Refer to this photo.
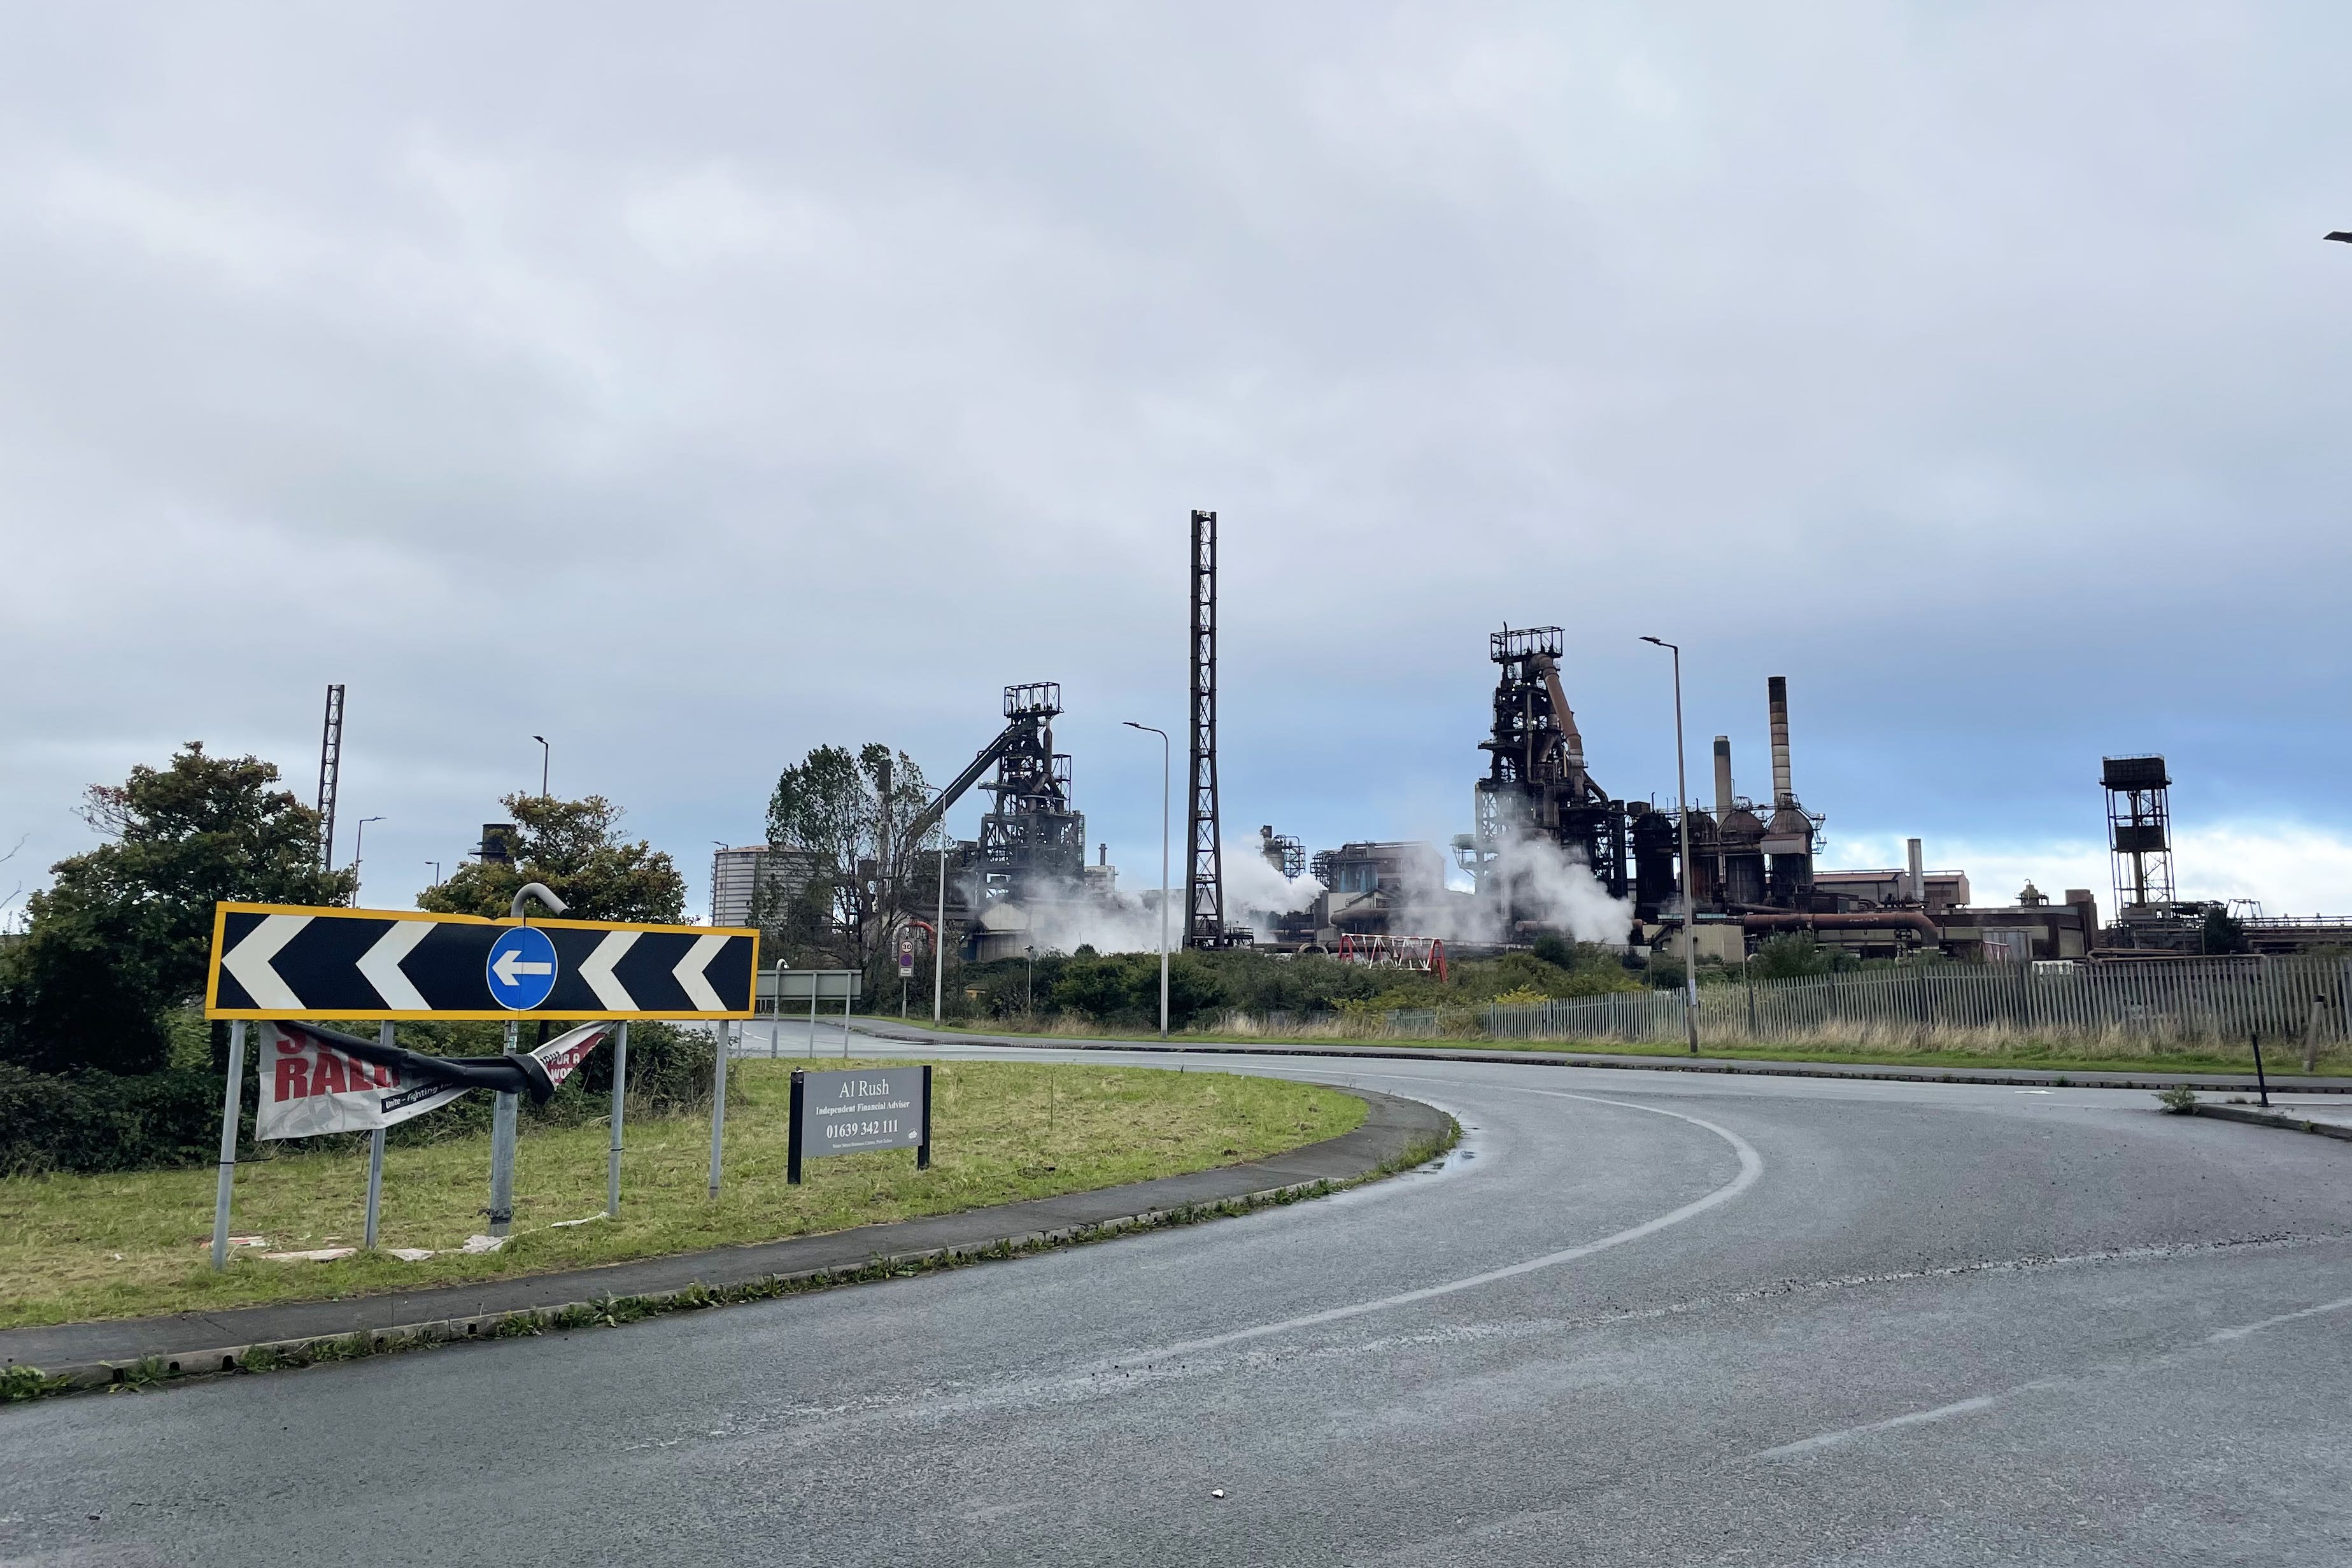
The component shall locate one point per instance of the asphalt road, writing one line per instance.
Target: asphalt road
(1636, 1318)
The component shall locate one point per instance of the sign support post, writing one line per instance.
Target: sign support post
(228, 1142)
(502, 1149)
(792, 1129)
(718, 1106)
(620, 1104)
(923, 1149)
(510, 968)
(375, 1159)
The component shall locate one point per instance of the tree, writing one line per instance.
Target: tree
(1792, 954)
(577, 848)
(2221, 932)
(124, 932)
(847, 816)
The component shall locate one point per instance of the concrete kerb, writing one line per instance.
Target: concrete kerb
(1398, 1134)
(2033, 1078)
(2254, 1115)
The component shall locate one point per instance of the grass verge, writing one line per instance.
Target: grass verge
(1953, 1050)
(76, 1248)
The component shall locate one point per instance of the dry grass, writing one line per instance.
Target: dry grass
(82, 1247)
(1856, 1044)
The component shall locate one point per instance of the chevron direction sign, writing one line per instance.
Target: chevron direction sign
(283, 962)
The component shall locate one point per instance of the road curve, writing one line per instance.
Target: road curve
(1634, 1320)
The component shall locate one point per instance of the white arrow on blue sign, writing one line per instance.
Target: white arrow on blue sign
(521, 968)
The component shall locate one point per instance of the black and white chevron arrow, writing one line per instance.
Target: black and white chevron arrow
(275, 962)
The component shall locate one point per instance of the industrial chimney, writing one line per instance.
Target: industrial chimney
(1918, 892)
(1788, 838)
(1783, 792)
(1722, 777)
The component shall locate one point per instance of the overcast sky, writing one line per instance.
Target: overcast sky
(694, 385)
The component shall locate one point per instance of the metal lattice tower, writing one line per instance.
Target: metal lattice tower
(1033, 842)
(1204, 920)
(1536, 782)
(2139, 829)
(330, 774)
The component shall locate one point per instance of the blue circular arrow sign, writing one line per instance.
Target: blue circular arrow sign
(521, 969)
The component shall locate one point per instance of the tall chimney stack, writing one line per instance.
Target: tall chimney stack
(1918, 874)
(1722, 777)
(1784, 794)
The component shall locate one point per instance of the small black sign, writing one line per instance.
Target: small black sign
(851, 1113)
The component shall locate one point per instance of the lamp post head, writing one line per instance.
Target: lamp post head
(1658, 641)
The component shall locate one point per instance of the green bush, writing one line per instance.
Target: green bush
(93, 1121)
(107, 1121)
(1122, 990)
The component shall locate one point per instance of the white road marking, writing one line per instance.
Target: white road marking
(690, 976)
(380, 964)
(250, 961)
(1987, 1401)
(1751, 1167)
(2222, 1336)
(597, 971)
(1914, 1418)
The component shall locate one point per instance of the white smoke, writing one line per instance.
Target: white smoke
(1130, 923)
(1254, 886)
(1550, 885)
(1108, 922)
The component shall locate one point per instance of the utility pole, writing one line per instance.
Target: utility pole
(359, 856)
(1204, 902)
(1690, 913)
(330, 774)
(940, 930)
(1163, 866)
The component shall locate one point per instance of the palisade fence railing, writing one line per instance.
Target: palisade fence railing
(2220, 1000)
(2216, 999)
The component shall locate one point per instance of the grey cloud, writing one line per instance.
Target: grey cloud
(824, 370)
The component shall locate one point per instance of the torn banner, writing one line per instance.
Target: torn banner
(316, 1081)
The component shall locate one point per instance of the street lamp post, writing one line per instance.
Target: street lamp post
(358, 857)
(939, 928)
(545, 751)
(1690, 913)
(436, 872)
(1163, 868)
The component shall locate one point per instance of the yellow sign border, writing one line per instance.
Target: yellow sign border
(223, 910)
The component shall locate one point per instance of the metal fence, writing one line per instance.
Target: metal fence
(2220, 1000)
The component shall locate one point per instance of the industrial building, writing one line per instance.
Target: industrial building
(756, 881)
(1715, 876)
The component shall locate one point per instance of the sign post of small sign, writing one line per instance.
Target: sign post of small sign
(850, 1113)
